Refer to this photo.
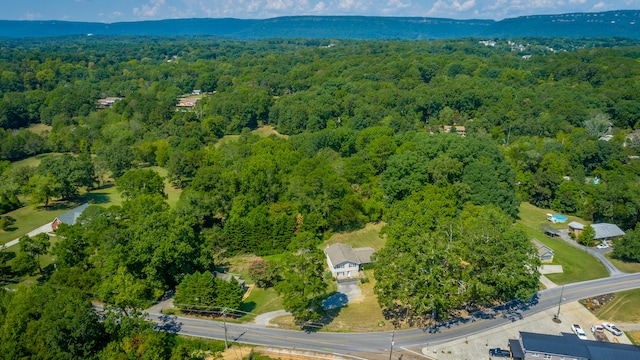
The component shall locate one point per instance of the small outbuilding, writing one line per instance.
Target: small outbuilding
(545, 253)
(69, 218)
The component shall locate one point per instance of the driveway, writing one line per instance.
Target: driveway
(347, 292)
(598, 253)
(46, 228)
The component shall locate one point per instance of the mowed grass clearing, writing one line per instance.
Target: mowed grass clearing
(39, 128)
(576, 264)
(623, 308)
(367, 237)
(624, 266)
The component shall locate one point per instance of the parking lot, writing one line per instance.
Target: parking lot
(477, 346)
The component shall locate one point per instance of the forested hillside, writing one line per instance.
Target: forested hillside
(440, 139)
(608, 24)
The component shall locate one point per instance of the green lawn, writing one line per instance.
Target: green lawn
(576, 264)
(532, 217)
(173, 193)
(623, 308)
(624, 266)
(33, 160)
(40, 128)
(29, 218)
(367, 237)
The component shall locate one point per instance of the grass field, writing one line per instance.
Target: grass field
(576, 264)
(263, 131)
(359, 238)
(29, 218)
(173, 193)
(532, 217)
(623, 308)
(624, 266)
(33, 160)
(39, 128)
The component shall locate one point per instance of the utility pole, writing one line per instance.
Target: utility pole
(393, 335)
(557, 317)
(224, 319)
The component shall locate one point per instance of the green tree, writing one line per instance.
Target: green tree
(42, 188)
(196, 291)
(140, 182)
(586, 236)
(263, 273)
(628, 248)
(302, 284)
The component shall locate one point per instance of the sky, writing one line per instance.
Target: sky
(135, 10)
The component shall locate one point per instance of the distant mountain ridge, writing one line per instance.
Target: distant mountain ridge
(622, 23)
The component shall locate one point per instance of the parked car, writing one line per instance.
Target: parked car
(498, 352)
(596, 328)
(603, 245)
(577, 329)
(611, 327)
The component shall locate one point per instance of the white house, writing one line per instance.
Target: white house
(346, 262)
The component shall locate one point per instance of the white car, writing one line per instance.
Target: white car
(578, 330)
(602, 245)
(611, 327)
(597, 328)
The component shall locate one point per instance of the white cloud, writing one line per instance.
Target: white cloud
(577, 1)
(278, 4)
(32, 16)
(398, 4)
(449, 7)
(149, 10)
(599, 6)
(320, 7)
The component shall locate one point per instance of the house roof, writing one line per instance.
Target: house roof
(550, 230)
(568, 344)
(542, 248)
(339, 253)
(565, 344)
(228, 277)
(604, 230)
(71, 216)
(516, 349)
(576, 225)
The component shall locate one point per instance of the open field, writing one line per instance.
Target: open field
(624, 266)
(263, 131)
(33, 160)
(623, 308)
(173, 193)
(39, 128)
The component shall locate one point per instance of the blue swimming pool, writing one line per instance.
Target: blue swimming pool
(559, 218)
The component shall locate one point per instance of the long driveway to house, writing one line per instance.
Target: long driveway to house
(46, 228)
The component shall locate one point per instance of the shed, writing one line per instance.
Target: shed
(550, 231)
(545, 253)
(69, 218)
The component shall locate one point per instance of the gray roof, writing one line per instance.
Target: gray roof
(568, 344)
(339, 253)
(228, 277)
(604, 231)
(71, 216)
(542, 248)
(576, 225)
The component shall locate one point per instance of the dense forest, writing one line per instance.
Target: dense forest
(361, 138)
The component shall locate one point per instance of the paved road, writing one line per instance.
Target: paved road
(414, 339)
